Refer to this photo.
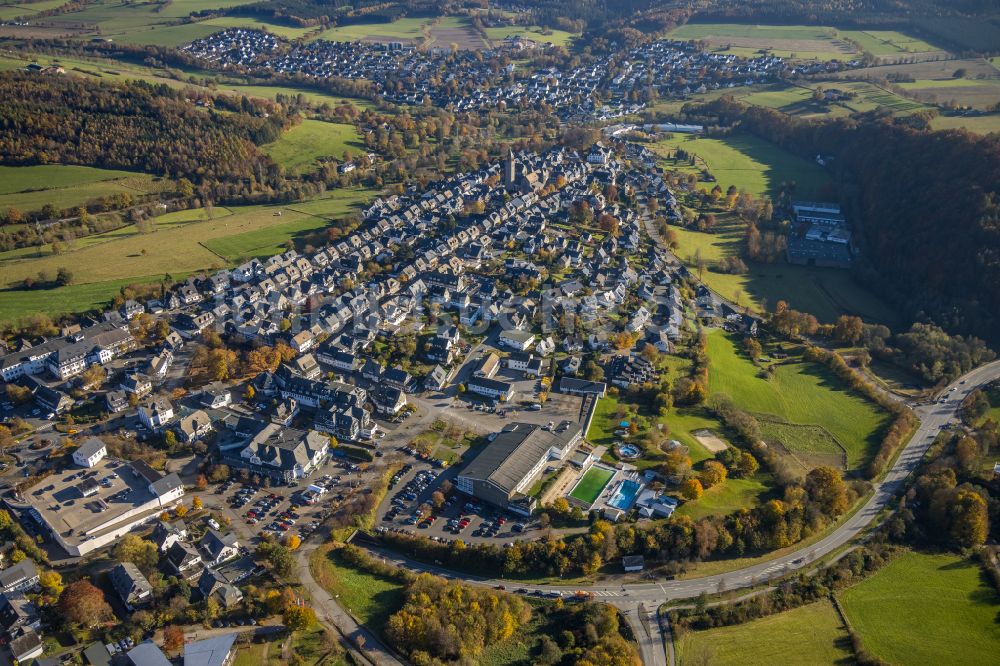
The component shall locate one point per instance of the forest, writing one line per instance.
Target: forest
(136, 126)
(926, 206)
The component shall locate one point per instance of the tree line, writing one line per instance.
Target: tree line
(926, 206)
(136, 126)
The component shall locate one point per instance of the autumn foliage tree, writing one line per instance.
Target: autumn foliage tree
(173, 638)
(83, 604)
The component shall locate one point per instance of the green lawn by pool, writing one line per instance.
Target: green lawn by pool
(591, 485)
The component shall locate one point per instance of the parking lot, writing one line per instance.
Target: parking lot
(281, 510)
(409, 508)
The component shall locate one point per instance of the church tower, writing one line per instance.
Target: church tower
(510, 170)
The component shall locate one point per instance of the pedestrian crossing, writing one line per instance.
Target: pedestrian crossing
(607, 593)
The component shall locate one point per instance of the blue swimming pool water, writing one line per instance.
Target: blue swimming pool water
(625, 495)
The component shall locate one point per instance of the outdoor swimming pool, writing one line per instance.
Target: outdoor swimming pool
(629, 451)
(625, 494)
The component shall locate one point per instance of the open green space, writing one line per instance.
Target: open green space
(590, 486)
(15, 304)
(811, 445)
(314, 97)
(798, 392)
(887, 42)
(926, 609)
(800, 42)
(805, 636)
(532, 32)
(680, 421)
(826, 293)
(301, 148)
(193, 245)
(369, 598)
(312, 646)
(31, 187)
(401, 29)
(729, 496)
(10, 10)
(750, 163)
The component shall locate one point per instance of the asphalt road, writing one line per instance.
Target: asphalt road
(633, 598)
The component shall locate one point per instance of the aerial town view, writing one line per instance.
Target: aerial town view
(499, 332)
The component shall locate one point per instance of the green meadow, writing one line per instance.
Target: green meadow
(302, 147)
(798, 393)
(749, 163)
(805, 636)
(927, 609)
(826, 293)
(65, 186)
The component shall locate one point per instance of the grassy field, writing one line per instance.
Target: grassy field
(926, 609)
(799, 393)
(156, 24)
(681, 421)
(533, 32)
(979, 94)
(404, 29)
(729, 496)
(804, 636)
(591, 485)
(31, 187)
(313, 97)
(10, 10)
(174, 247)
(302, 147)
(66, 300)
(882, 43)
(270, 240)
(751, 164)
(809, 445)
(827, 293)
(799, 42)
(312, 645)
(369, 598)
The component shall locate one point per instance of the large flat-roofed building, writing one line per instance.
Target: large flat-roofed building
(84, 510)
(508, 465)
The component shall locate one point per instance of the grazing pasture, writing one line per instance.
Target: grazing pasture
(30, 188)
(926, 608)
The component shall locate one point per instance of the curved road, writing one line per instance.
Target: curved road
(639, 601)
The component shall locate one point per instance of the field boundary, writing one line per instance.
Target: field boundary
(771, 418)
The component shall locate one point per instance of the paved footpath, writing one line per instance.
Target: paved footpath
(331, 613)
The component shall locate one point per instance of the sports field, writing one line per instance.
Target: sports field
(826, 293)
(31, 187)
(301, 148)
(805, 636)
(927, 609)
(800, 393)
(750, 163)
(588, 488)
